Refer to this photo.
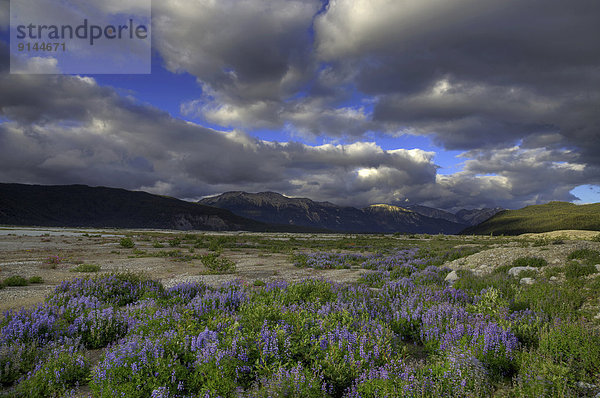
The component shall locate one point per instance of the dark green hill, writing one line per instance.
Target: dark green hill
(100, 207)
(552, 216)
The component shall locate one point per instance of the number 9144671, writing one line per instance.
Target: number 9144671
(48, 47)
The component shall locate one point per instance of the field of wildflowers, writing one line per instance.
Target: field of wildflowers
(401, 331)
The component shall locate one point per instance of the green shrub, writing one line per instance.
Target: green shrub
(127, 243)
(553, 271)
(312, 291)
(553, 300)
(36, 280)
(540, 376)
(530, 273)
(503, 269)
(576, 346)
(157, 245)
(175, 242)
(15, 280)
(86, 268)
(490, 303)
(258, 282)
(217, 264)
(474, 284)
(588, 256)
(596, 238)
(575, 270)
(529, 262)
(63, 369)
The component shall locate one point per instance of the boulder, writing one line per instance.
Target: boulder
(451, 277)
(515, 271)
(527, 281)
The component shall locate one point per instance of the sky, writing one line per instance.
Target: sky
(450, 104)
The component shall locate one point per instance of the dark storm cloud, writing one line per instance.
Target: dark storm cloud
(513, 83)
(243, 51)
(513, 69)
(88, 134)
(84, 133)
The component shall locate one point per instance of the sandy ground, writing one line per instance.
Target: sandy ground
(25, 252)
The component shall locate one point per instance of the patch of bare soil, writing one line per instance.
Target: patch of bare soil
(28, 256)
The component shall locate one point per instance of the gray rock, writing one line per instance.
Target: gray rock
(527, 281)
(515, 271)
(451, 277)
(598, 267)
(553, 278)
(586, 386)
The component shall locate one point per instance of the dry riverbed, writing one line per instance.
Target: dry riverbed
(28, 252)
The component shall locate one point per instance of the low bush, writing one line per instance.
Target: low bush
(175, 242)
(63, 370)
(86, 268)
(36, 280)
(15, 280)
(529, 262)
(555, 301)
(574, 270)
(540, 376)
(575, 346)
(588, 256)
(553, 271)
(17, 359)
(475, 284)
(215, 264)
(127, 243)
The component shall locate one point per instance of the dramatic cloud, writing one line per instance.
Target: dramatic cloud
(510, 83)
(242, 51)
(70, 130)
(472, 73)
(466, 73)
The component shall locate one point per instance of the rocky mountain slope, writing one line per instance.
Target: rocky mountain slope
(275, 208)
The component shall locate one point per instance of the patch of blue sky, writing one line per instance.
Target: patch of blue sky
(587, 194)
(162, 89)
(448, 161)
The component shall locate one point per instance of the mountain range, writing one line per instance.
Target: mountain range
(272, 207)
(101, 207)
